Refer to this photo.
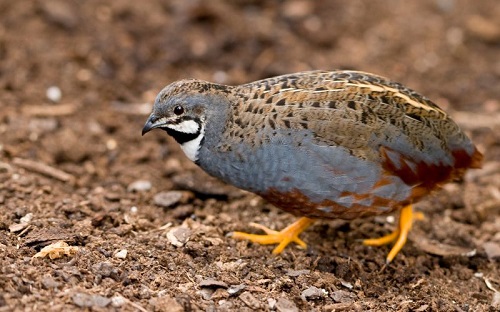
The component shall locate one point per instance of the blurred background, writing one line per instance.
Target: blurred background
(101, 56)
(78, 78)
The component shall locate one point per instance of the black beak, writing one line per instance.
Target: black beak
(150, 125)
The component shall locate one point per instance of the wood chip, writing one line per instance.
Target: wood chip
(17, 227)
(44, 169)
(440, 249)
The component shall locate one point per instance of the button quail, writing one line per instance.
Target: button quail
(318, 144)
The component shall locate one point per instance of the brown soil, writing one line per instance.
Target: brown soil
(67, 169)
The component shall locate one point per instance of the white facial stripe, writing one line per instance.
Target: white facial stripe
(187, 126)
(191, 148)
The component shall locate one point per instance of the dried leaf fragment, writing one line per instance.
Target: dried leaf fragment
(56, 250)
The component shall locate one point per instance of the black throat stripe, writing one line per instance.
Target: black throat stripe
(182, 137)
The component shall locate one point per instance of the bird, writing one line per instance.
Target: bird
(320, 145)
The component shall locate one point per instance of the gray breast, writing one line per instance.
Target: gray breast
(292, 161)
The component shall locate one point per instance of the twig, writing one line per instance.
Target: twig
(44, 169)
(486, 281)
(52, 110)
(135, 305)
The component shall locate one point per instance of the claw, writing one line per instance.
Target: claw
(283, 238)
(400, 235)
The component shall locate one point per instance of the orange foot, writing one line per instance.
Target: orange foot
(283, 238)
(399, 235)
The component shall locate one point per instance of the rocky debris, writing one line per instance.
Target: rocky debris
(295, 273)
(492, 250)
(285, 305)
(83, 300)
(170, 198)
(313, 293)
(121, 254)
(139, 186)
(343, 296)
(236, 289)
(179, 236)
(250, 300)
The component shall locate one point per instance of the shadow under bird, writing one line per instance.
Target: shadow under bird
(318, 144)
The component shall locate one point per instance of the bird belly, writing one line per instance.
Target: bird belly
(311, 180)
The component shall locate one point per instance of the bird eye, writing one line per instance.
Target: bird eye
(178, 110)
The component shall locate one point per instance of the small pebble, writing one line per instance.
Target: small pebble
(60, 13)
(225, 305)
(295, 273)
(343, 296)
(210, 282)
(166, 303)
(236, 289)
(111, 144)
(121, 254)
(118, 301)
(285, 305)
(27, 218)
(48, 283)
(167, 199)
(422, 308)
(346, 284)
(88, 301)
(182, 212)
(17, 227)
(495, 302)
(271, 303)
(206, 293)
(313, 293)
(492, 250)
(104, 268)
(179, 236)
(139, 186)
(250, 300)
(54, 94)
(41, 125)
(114, 197)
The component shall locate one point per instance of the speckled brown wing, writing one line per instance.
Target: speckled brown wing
(371, 117)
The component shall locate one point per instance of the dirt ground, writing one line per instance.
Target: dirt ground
(150, 228)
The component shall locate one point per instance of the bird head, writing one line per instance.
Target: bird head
(181, 110)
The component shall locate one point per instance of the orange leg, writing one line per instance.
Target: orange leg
(399, 235)
(282, 238)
